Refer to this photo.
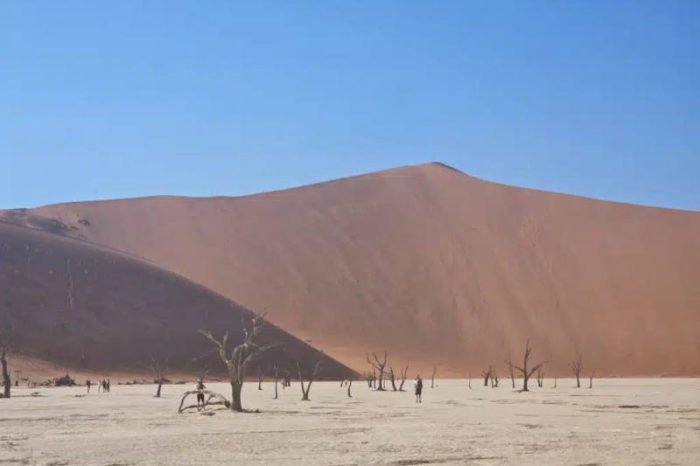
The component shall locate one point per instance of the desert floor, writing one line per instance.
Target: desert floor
(619, 421)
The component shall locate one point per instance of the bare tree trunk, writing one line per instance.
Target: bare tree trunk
(404, 373)
(260, 378)
(577, 368)
(159, 365)
(305, 389)
(487, 375)
(236, 388)
(276, 371)
(379, 365)
(540, 377)
(238, 360)
(512, 374)
(555, 382)
(470, 381)
(524, 370)
(349, 386)
(7, 383)
(392, 378)
(432, 378)
(590, 381)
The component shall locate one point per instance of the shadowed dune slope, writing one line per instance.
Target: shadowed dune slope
(86, 307)
(436, 267)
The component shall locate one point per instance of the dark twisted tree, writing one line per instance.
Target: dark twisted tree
(312, 376)
(378, 365)
(525, 370)
(158, 365)
(238, 359)
(577, 368)
(5, 337)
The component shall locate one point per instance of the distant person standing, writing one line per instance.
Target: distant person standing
(88, 384)
(200, 393)
(418, 385)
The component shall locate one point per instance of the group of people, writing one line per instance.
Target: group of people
(102, 386)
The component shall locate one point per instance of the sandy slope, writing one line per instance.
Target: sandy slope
(94, 310)
(454, 426)
(433, 265)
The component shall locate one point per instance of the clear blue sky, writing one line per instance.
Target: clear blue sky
(130, 98)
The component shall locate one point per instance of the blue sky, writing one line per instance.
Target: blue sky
(131, 98)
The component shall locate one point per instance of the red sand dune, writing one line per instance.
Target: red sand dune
(94, 310)
(436, 267)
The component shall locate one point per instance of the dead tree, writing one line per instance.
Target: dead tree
(577, 368)
(494, 380)
(540, 377)
(432, 377)
(486, 374)
(261, 373)
(511, 372)
(275, 372)
(220, 400)
(470, 381)
(4, 348)
(525, 370)
(159, 365)
(555, 382)
(312, 376)
(379, 366)
(590, 381)
(240, 357)
(349, 387)
(392, 378)
(404, 374)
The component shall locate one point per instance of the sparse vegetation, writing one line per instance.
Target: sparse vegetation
(524, 370)
(378, 365)
(238, 360)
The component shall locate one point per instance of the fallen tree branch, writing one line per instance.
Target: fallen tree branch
(221, 400)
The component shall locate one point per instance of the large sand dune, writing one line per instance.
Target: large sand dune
(91, 309)
(435, 266)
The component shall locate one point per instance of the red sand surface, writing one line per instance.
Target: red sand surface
(434, 266)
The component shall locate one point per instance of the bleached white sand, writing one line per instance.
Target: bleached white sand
(621, 421)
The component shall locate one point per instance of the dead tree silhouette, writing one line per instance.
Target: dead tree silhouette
(240, 357)
(158, 365)
(540, 377)
(432, 377)
(261, 374)
(577, 368)
(392, 379)
(312, 376)
(404, 374)
(511, 372)
(525, 370)
(5, 336)
(379, 366)
(486, 374)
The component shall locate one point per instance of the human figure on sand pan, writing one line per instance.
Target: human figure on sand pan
(200, 393)
(418, 385)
